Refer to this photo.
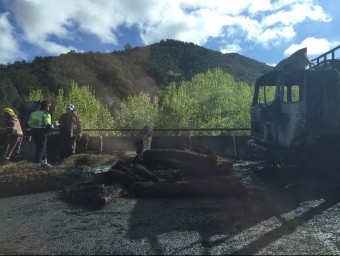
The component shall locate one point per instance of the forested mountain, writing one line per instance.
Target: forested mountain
(118, 74)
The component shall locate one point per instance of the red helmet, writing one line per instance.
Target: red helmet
(44, 104)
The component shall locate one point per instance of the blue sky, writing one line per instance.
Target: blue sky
(264, 30)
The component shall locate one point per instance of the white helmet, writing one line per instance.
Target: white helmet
(71, 107)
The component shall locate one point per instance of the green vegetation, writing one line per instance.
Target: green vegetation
(138, 111)
(9, 96)
(93, 113)
(167, 85)
(35, 95)
(266, 94)
(117, 75)
(210, 100)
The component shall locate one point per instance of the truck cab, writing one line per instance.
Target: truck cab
(295, 112)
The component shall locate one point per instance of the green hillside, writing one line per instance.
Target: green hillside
(118, 74)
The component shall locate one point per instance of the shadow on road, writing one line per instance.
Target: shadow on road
(243, 226)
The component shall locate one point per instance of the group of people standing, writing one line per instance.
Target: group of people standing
(38, 128)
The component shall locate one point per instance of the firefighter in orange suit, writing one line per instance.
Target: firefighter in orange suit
(14, 135)
(71, 129)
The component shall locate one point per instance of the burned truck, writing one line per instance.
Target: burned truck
(295, 113)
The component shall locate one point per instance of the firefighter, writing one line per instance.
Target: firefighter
(38, 126)
(71, 129)
(14, 135)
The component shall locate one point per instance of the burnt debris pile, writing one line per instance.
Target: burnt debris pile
(158, 173)
(89, 180)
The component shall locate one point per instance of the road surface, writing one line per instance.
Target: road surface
(284, 218)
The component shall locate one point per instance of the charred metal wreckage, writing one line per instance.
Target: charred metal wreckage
(295, 113)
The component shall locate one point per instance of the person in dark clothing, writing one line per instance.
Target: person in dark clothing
(71, 129)
(14, 135)
(38, 126)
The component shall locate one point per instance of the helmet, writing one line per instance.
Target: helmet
(45, 104)
(9, 111)
(71, 107)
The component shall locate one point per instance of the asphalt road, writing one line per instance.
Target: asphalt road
(292, 219)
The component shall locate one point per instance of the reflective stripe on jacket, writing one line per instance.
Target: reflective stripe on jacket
(13, 126)
(39, 119)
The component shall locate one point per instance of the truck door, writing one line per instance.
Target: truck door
(264, 113)
(315, 105)
(291, 124)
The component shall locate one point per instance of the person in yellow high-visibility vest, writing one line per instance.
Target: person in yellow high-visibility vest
(38, 126)
(14, 135)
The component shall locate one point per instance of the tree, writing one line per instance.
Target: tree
(138, 111)
(178, 108)
(210, 100)
(9, 97)
(35, 95)
(127, 46)
(92, 112)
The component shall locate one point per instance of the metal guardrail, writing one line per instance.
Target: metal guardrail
(2, 130)
(168, 129)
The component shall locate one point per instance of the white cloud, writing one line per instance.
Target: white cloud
(231, 48)
(277, 35)
(196, 27)
(315, 46)
(297, 14)
(9, 47)
(259, 5)
(260, 22)
(278, 4)
(39, 20)
(55, 48)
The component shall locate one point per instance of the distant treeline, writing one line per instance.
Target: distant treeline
(116, 76)
(209, 100)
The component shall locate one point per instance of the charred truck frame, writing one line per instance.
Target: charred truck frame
(295, 113)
